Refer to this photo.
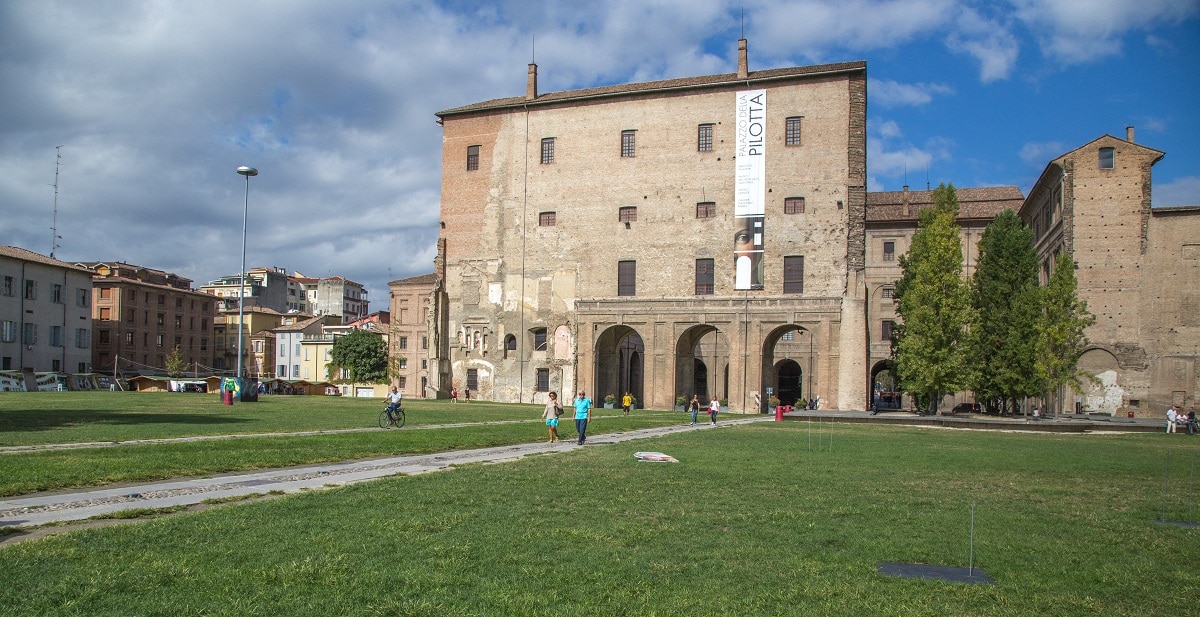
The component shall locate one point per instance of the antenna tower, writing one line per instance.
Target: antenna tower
(54, 237)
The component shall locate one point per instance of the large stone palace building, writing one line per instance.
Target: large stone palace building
(688, 236)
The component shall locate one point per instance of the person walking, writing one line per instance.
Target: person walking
(694, 407)
(626, 402)
(1171, 413)
(583, 413)
(713, 407)
(453, 395)
(550, 415)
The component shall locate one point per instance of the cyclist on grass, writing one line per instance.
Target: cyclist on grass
(394, 399)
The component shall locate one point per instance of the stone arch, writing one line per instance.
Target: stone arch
(1105, 394)
(786, 350)
(885, 394)
(702, 363)
(620, 364)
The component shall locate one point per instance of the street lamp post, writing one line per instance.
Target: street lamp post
(247, 172)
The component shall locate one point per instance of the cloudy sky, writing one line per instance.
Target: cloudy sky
(156, 103)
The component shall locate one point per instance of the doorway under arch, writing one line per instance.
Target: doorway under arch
(702, 364)
(885, 393)
(788, 357)
(620, 359)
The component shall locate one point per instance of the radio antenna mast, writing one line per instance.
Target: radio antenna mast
(54, 237)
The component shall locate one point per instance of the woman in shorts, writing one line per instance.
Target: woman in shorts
(550, 415)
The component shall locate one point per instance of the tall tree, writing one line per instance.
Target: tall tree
(363, 354)
(1061, 339)
(1006, 298)
(175, 363)
(934, 303)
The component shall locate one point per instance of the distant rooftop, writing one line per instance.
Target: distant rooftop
(973, 203)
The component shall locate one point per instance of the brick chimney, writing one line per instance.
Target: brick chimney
(1129, 134)
(743, 60)
(531, 85)
(904, 200)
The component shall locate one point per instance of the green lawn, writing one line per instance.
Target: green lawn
(38, 418)
(753, 520)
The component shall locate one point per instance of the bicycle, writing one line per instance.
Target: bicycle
(389, 418)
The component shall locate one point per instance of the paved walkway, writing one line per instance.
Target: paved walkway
(69, 506)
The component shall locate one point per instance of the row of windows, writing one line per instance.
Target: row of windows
(131, 295)
(160, 318)
(29, 334)
(793, 276)
(105, 339)
(704, 210)
(57, 291)
(704, 142)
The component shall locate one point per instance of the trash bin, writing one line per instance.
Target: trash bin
(227, 397)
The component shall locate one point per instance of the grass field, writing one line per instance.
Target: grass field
(760, 519)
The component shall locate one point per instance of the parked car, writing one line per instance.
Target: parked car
(967, 408)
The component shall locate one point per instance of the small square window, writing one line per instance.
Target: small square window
(889, 292)
(792, 131)
(547, 150)
(793, 205)
(1107, 158)
(472, 158)
(627, 214)
(628, 144)
(546, 219)
(706, 210)
(704, 138)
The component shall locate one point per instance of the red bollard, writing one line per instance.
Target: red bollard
(779, 413)
(227, 397)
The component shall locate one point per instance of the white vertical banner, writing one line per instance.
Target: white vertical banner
(750, 187)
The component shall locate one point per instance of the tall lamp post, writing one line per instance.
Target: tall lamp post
(247, 172)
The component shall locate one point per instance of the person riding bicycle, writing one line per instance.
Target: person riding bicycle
(394, 399)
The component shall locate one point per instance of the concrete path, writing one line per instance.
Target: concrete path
(69, 506)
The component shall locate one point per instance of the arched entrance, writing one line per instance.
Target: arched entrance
(702, 364)
(620, 364)
(788, 356)
(885, 393)
(1104, 394)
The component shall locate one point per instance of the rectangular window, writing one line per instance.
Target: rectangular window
(6, 286)
(131, 316)
(1107, 158)
(404, 342)
(30, 289)
(546, 219)
(179, 303)
(56, 294)
(158, 340)
(627, 214)
(539, 339)
(793, 205)
(628, 144)
(424, 342)
(473, 379)
(258, 346)
(162, 300)
(129, 338)
(161, 319)
(295, 371)
(8, 331)
(793, 274)
(704, 138)
(403, 363)
(791, 135)
(547, 150)
(105, 293)
(885, 333)
(178, 322)
(706, 209)
(704, 277)
(626, 278)
(29, 334)
(472, 158)
(282, 349)
(889, 293)
(105, 314)
(543, 380)
(424, 364)
(105, 335)
(402, 382)
(889, 251)
(282, 371)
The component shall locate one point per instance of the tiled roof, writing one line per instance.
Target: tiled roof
(706, 81)
(20, 253)
(424, 279)
(973, 203)
(300, 325)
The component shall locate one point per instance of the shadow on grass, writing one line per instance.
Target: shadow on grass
(34, 421)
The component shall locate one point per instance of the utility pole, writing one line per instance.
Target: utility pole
(54, 237)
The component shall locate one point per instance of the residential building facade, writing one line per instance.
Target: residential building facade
(45, 314)
(659, 238)
(408, 344)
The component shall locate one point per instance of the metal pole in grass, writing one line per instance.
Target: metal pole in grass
(1192, 491)
(971, 545)
(1166, 480)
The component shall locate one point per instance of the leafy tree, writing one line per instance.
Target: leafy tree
(1007, 299)
(175, 363)
(1061, 339)
(363, 354)
(935, 304)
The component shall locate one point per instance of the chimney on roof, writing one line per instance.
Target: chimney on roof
(743, 60)
(904, 200)
(531, 85)
(1129, 134)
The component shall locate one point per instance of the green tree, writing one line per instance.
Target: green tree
(175, 363)
(934, 303)
(1003, 343)
(363, 354)
(1061, 340)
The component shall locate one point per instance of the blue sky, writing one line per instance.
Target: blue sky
(156, 103)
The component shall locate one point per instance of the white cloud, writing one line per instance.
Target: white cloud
(889, 93)
(1179, 192)
(988, 41)
(1081, 31)
(813, 28)
(1038, 154)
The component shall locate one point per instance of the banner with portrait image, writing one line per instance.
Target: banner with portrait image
(750, 183)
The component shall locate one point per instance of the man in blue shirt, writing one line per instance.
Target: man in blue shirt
(583, 413)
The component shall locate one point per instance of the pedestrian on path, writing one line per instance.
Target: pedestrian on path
(551, 414)
(694, 406)
(453, 395)
(626, 402)
(1171, 413)
(583, 413)
(713, 407)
